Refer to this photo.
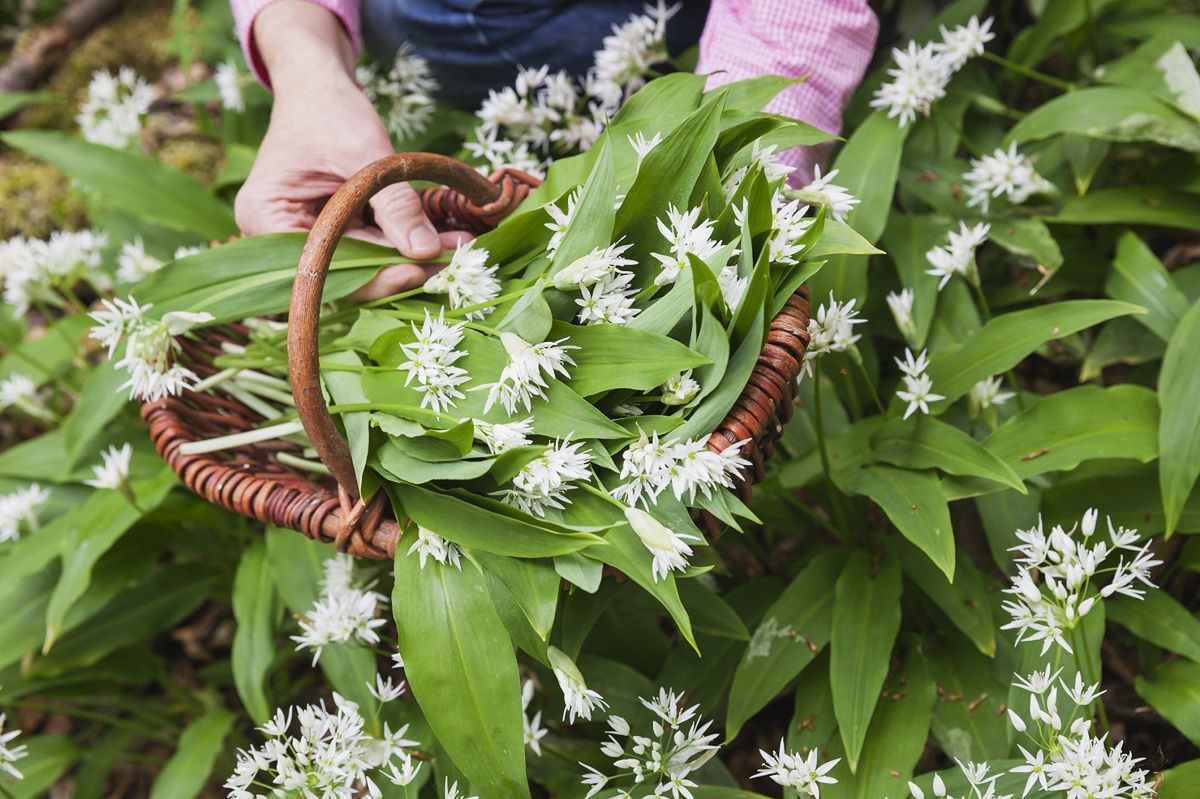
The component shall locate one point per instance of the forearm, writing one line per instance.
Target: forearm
(325, 32)
(302, 44)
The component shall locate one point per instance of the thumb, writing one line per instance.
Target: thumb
(399, 214)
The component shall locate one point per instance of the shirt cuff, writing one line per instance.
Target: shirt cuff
(246, 11)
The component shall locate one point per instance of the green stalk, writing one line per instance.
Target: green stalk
(1088, 675)
(835, 496)
(393, 408)
(1032, 74)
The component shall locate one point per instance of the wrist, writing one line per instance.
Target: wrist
(303, 46)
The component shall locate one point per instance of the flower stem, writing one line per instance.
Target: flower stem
(1087, 667)
(1032, 74)
(241, 439)
(492, 303)
(394, 408)
(862, 370)
(835, 496)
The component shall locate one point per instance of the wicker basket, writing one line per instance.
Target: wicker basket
(251, 481)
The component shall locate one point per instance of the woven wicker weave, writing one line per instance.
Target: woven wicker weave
(251, 481)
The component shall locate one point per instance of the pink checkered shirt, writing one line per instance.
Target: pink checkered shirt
(831, 41)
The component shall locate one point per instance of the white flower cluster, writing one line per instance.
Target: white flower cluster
(1066, 754)
(649, 466)
(579, 701)
(112, 111)
(789, 223)
(533, 731)
(764, 156)
(346, 610)
(467, 280)
(958, 256)
(134, 264)
(33, 269)
(831, 329)
(431, 545)
(544, 115)
(431, 358)
(922, 72)
(658, 763)
(605, 293)
(1052, 589)
(918, 386)
(524, 376)
(986, 394)
(901, 306)
(21, 392)
(10, 754)
(501, 437)
(19, 510)
(669, 549)
(330, 755)
(981, 784)
(1003, 172)
(149, 346)
(803, 774)
(560, 220)
(837, 199)
(229, 86)
(404, 93)
(679, 389)
(686, 235)
(113, 470)
(544, 481)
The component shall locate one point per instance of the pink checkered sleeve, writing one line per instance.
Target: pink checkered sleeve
(829, 40)
(244, 12)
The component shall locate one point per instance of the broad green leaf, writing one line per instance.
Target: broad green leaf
(711, 614)
(867, 166)
(1124, 341)
(186, 772)
(792, 631)
(147, 189)
(12, 102)
(256, 610)
(866, 618)
(964, 599)
(907, 238)
(533, 584)
(709, 413)
(895, 739)
(1132, 205)
(153, 604)
(1084, 423)
(253, 276)
(477, 523)
(1030, 238)
(100, 400)
(969, 721)
(1114, 113)
(1173, 689)
(592, 223)
(1138, 277)
(1160, 619)
(1005, 341)
(42, 359)
(928, 443)
(1179, 425)
(667, 176)
(616, 356)
(838, 238)
(913, 501)
(100, 524)
(460, 665)
(580, 571)
(49, 756)
(1180, 782)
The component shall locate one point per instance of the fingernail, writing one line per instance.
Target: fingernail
(424, 238)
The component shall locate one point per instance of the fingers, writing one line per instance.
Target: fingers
(399, 214)
(451, 239)
(391, 280)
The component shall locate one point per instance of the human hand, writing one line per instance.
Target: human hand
(323, 130)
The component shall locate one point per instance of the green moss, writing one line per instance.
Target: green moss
(35, 199)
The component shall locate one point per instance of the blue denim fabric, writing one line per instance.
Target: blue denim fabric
(476, 45)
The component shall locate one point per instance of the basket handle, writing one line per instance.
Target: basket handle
(490, 200)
